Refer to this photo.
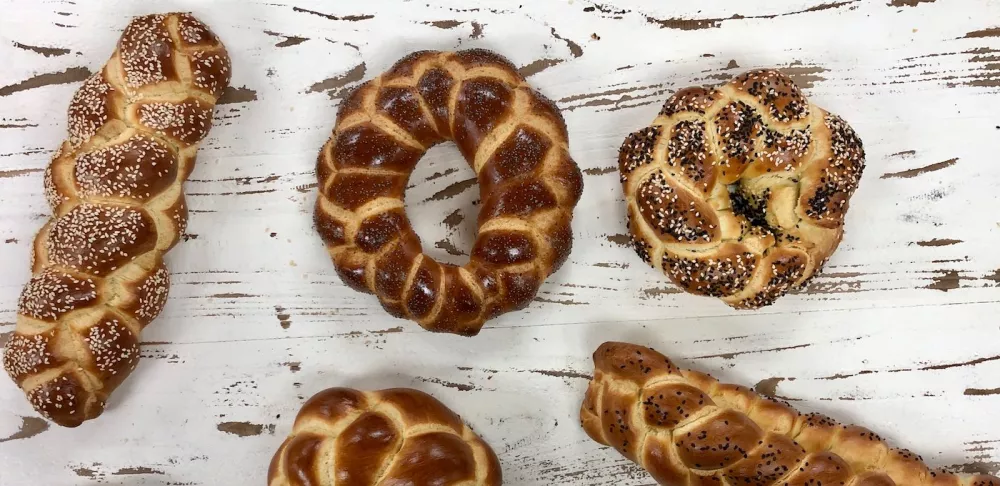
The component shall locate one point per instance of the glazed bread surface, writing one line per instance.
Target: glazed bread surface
(687, 429)
(115, 190)
(513, 138)
(395, 437)
(739, 192)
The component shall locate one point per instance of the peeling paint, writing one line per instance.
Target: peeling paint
(245, 429)
(907, 174)
(68, 76)
(447, 384)
(348, 18)
(338, 86)
(453, 190)
(45, 51)
(564, 374)
(698, 24)
(30, 427)
(237, 95)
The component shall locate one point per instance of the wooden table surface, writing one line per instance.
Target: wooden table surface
(899, 333)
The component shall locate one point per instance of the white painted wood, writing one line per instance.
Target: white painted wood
(899, 335)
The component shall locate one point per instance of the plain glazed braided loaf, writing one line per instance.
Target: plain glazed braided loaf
(345, 437)
(687, 429)
(514, 139)
(740, 192)
(115, 189)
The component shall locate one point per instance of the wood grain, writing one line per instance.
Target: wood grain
(899, 327)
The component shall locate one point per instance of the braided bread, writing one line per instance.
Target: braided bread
(515, 140)
(740, 192)
(391, 437)
(114, 187)
(686, 428)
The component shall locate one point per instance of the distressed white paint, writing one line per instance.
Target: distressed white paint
(908, 78)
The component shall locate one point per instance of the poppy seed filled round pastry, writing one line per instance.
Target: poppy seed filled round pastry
(513, 138)
(739, 192)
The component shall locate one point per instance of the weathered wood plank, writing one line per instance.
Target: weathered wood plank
(899, 327)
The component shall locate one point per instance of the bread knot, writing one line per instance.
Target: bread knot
(739, 192)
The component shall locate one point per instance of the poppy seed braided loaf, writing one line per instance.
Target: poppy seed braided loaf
(687, 429)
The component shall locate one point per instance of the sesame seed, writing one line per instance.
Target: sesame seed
(841, 174)
(688, 149)
(775, 91)
(98, 239)
(51, 293)
(89, 110)
(695, 100)
(716, 277)
(27, 354)
(187, 121)
(95, 237)
(664, 209)
(146, 51)
(112, 347)
(637, 150)
(153, 294)
(138, 168)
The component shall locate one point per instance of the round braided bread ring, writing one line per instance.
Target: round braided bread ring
(515, 140)
(740, 192)
(398, 436)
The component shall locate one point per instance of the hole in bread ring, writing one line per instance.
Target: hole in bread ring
(512, 137)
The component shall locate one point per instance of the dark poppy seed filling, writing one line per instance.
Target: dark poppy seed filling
(751, 207)
(637, 150)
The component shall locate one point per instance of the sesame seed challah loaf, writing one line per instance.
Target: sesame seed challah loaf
(687, 429)
(115, 189)
(396, 437)
(739, 192)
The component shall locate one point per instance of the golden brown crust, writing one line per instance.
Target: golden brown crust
(685, 428)
(749, 168)
(513, 137)
(114, 187)
(398, 436)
